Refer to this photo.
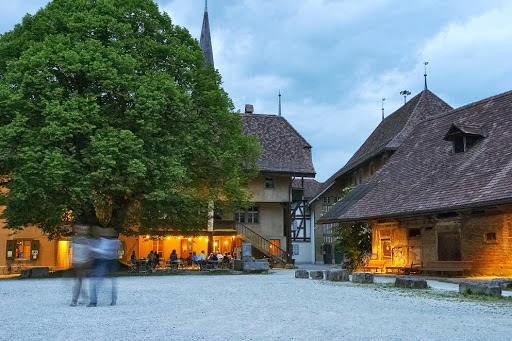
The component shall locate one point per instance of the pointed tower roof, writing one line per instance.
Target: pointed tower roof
(206, 41)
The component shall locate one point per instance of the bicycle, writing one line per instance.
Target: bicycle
(14, 267)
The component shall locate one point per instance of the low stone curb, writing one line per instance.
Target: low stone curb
(316, 274)
(479, 289)
(362, 277)
(410, 283)
(338, 275)
(301, 274)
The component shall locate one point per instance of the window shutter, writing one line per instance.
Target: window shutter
(10, 250)
(34, 249)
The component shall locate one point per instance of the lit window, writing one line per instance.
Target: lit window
(274, 246)
(253, 215)
(23, 249)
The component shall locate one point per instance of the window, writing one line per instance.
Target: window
(490, 237)
(274, 246)
(269, 183)
(414, 233)
(327, 200)
(157, 246)
(296, 249)
(253, 215)
(463, 137)
(240, 216)
(463, 143)
(22, 249)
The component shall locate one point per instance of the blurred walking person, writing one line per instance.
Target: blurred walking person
(81, 253)
(105, 251)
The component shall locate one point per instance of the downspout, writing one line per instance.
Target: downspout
(288, 221)
(313, 228)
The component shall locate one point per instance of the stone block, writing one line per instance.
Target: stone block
(362, 277)
(256, 265)
(25, 273)
(410, 283)
(503, 283)
(479, 289)
(340, 275)
(237, 265)
(316, 274)
(301, 274)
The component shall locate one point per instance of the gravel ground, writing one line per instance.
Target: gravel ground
(249, 307)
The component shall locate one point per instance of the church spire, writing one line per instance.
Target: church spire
(206, 41)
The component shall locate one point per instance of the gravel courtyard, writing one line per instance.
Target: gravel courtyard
(247, 307)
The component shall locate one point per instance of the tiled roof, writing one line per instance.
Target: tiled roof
(391, 132)
(310, 186)
(284, 149)
(425, 175)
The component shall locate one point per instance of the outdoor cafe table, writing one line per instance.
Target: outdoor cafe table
(142, 265)
(213, 264)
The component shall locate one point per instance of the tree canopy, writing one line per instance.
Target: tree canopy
(109, 115)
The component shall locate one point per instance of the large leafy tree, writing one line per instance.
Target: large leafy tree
(109, 115)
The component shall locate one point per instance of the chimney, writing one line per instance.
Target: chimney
(249, 109)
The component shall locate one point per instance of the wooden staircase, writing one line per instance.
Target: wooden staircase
(261, 244)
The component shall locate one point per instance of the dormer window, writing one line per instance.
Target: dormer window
(463, 137)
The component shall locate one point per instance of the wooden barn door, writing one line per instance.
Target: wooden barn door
(448, 246)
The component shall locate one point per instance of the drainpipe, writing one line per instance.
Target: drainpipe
(288, 222)
(313, 242)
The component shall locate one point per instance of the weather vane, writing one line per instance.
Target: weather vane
(425, 75)
(405, 93)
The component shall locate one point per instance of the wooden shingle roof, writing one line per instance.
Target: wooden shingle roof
(425, 175)
(284, 149)
(310, 186)
(391, 132)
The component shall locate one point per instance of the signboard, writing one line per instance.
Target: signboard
(246, 250)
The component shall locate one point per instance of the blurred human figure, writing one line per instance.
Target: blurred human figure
(174, 260)
(81, 258)
(156, 263)
(151, 259)
(105, 251)
(201, 260)
(133, 258)
(225, 261)
(194, 259)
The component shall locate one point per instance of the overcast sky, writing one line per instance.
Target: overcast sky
(335, 60)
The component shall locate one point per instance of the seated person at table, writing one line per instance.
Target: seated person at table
(174, 260)
(157, 260)
(225, 260)
(201, 260)
(151, 259)
(133, 258)
(193, 259)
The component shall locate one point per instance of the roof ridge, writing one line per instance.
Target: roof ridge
(469, 105)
